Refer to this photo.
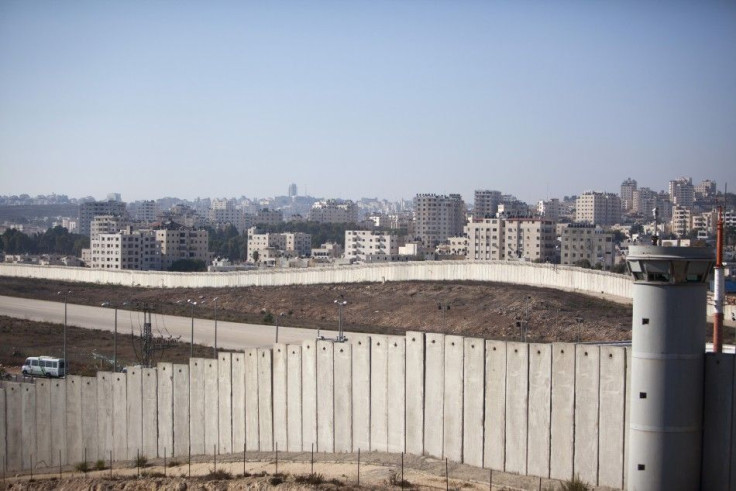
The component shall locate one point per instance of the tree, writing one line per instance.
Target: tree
(255, 256)
(582, 263)
(188, 265)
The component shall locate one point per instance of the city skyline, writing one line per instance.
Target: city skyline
(363, 99)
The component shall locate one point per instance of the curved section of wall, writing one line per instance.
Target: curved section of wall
(541, 275)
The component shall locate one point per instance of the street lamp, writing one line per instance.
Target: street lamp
(115, 334)
(278, 317)
(215, 300)
(340, 306)
(192, 303)
(66, 299)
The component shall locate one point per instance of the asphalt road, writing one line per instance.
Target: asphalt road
(230, 335)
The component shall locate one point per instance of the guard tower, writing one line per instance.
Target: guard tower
(668, 356)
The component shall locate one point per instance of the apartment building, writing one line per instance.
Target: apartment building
(334, 211)
(91, 209)
(627, 193)
(125, 249)
(144, 211)
(598, 208)
(486, 204)
(681, 222)
(108, 224)
(327, 252)
(179, 242)
(499, 239)
(580, 242)
(360, 245)
(550, 209)
(267, 245)
(682, 192)
(437, 217)
(268, 217)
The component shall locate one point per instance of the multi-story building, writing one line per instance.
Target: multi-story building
(627, 193)
(179, 242)
(486, 204)
(598, 208)
(265, 216)
(438, 217)
(327, 252)
(682, 192)
(267, 245)
(529, 239)
(579, 242)
(292, 190)
(360, 245)
(706, 188)
(144, 211)
(108, 224)
(643, 201)
(334, 211)
(680, 224)
(91, 209)
(551, 209)
(125, 249)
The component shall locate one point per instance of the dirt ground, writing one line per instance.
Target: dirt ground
(488, 310)
(293, 471)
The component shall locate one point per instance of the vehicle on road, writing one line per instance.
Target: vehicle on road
(44, 366)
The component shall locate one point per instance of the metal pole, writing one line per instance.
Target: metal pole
(66, 362)
(216, 326)
(191, 345)
(115, 343)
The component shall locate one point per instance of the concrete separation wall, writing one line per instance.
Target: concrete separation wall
(554, 410)
(520, 273)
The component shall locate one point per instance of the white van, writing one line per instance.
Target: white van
(44, 366)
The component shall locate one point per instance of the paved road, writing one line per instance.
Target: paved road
(230, 335)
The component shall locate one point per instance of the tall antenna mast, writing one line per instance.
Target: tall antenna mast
(719, 285)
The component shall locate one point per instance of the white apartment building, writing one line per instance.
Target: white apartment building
(293, 244)
(125, 249)
(681, 222)
(580, 242)
(437, 217)
(551, 209)
(627, 193)
(706, 188)
(682, 192)
(499, 239)
(108, 224)
(362, 244)
(334, 211)
(144, 211)
(486, 203)
(179, 242)
(327, 252)
(598, 208)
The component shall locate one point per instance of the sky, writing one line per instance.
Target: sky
(356, 98)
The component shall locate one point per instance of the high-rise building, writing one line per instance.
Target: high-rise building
(682, 192)
(179, 242)
(437, 217)
(292, 190)
(580, 242)
(706, 188)
(334, 211)
(486, 204)
(627, 193)
(125, 249)
(598, 208)
(91, 209)
(507, 239)
(551, 209)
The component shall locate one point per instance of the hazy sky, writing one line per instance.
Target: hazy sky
(363, 98)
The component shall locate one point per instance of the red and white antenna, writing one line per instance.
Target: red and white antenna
(719, 285)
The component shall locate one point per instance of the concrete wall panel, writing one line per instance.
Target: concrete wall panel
(280, 411)
(717, 420)
(265, 400)
(540, 395)
(453, 398)
(3, 424)
(627, 415)
(563, 411)
(89, 411)
(149, 401)
(494, 446)
(165, 409)
(361, 348)
(587, 389)
(396, 393)
(181, 410)
(434, 394)
(74, 421)
(28, 425)
(14, 428)
(42, 445)
(612, 411)
(58, 422)
(379, 393)
(134, 408)
(309, 395)
(251, 399)
(119, 417)
(325, 397)
(294, 397)
(517, 406)
(415, 392)
(225, 404)
(473, 399)
(197, 423)
(343, 397)
(238, 401)
(211, 406)
(105, 414)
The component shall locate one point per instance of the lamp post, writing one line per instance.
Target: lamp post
(215, 300)
(115, 334)
(191, 303)
(340, 306)
(66, 299)
(278, 318)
